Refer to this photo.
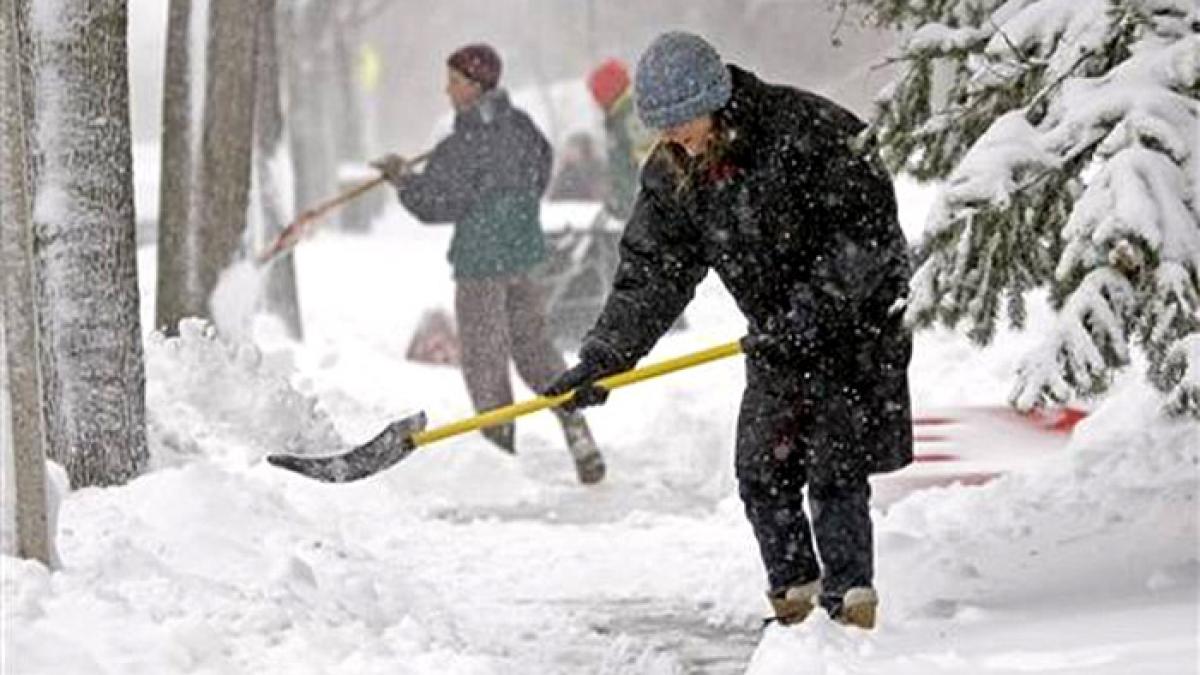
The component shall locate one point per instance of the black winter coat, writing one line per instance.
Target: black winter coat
(801, 227)
(487, 178)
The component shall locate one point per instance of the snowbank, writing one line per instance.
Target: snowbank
(1113, 521)
(207, 564)
(202, 391)
(198, 569)
(1116, 513)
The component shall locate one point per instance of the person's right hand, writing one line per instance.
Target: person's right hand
(595, 363)
(580, 379)
(392, 166)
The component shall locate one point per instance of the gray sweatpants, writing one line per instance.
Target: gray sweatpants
(499, 319)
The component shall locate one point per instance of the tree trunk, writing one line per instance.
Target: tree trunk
(347, 125)
(175, 260)
(84, 241)
(18, 338)
(306, 55)
(280, 295)
(222, 180)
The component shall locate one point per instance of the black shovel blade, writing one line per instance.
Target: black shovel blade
(390, 447)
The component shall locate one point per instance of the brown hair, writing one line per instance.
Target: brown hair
(688, 169)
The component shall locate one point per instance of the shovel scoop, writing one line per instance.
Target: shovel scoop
(392, 445)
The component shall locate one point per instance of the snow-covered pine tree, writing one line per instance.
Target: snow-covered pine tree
(1066, 132)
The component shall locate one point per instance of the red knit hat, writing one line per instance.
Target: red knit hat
(479, 62)
(608, 82)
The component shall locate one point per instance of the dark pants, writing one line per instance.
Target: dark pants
(773, 468)
(501, 319)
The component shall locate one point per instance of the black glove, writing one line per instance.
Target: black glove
(758, 345)
(393, 167)
(595, 363)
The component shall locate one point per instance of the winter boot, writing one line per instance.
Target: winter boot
(793, 604)
(503, 436)
(589, 464)
(857, 608)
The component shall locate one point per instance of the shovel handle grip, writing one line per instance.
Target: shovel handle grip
(512, 412)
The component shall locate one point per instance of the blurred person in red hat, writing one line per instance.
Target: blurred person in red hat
(628, 142)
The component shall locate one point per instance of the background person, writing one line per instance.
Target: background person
(487, 178)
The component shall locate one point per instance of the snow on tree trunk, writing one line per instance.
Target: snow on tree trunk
(24, 438)
(86, 274)
(1066, 134)
(222, 179)
(175, 257)
(306, 53)
(271, 171)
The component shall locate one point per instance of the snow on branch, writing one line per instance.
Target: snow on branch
(1051, 32)
(994, 169)
(1086, 343)
(1065, 132)
(1182, 373)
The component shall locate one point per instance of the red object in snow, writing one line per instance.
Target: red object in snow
(935, 456)
(1058, 419)
(972, 445)
(435, 341)
(1049, 419)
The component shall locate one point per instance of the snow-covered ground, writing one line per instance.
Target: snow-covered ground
(464, 560)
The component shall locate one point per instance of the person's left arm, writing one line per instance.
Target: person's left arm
(656, 278)
(444, 192)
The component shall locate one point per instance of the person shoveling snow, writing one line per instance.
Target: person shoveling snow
(765, 185)
(487, 178)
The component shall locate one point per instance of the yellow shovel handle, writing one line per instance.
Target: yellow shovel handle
(512, 412)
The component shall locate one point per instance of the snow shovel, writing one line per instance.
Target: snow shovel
(295, 230)
(402, 437)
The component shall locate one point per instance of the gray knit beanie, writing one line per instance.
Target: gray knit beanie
(679, 78)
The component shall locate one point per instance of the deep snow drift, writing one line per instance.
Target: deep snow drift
(464, 560)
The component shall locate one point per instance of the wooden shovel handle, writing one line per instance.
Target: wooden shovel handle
(291, 234)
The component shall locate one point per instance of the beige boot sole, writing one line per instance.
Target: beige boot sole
(796, 603)
(862, 616)
(858, 608)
